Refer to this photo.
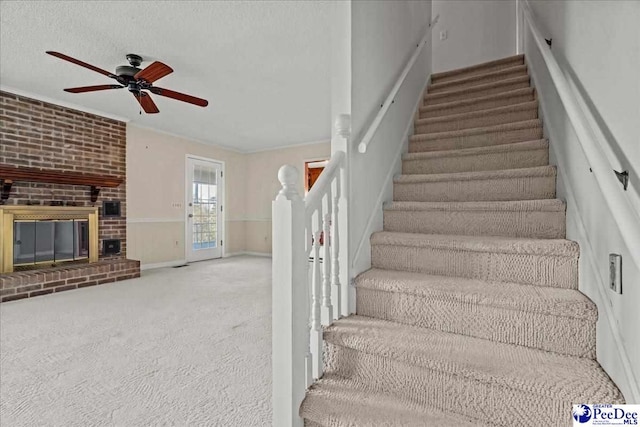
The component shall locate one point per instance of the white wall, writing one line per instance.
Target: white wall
(477, 31)
(384, 35)
(156, 164)
(597, 44)
(262, 185)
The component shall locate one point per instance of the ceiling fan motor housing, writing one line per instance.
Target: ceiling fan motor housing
(126, 71)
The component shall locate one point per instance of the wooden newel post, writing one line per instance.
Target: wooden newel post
(290, 303)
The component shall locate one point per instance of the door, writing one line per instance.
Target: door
(204, 209)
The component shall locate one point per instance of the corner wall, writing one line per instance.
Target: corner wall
(156, 185)
(262, 185)
(156, 163)
(477, 31)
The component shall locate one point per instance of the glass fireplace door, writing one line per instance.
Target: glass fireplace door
(50, 242)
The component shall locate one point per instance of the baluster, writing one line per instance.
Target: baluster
(327, 307)
(316, 325)
(335, 249)
(309, 288)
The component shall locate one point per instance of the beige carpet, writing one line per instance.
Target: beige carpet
(181, 347)
(471, 314)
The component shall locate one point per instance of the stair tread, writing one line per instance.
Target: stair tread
(543, 205)
(478, 175)
(491, 244)
(340, 401)
(477, 88)
(513, 296)
(474, 151)
(475, 67)
(516, 69)
(516, 367)
(523, 106)
(525, 124)
(472, 101)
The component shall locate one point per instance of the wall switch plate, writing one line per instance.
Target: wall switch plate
(443, 35)
(615, 273)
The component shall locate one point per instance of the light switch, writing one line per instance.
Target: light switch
(443, 35)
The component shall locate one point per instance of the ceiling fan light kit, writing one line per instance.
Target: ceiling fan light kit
(136, 80)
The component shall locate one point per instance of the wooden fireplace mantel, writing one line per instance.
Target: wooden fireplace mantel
(9, 174)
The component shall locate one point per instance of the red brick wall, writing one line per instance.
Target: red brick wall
(42, 135)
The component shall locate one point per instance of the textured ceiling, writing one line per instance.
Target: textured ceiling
(263, 66)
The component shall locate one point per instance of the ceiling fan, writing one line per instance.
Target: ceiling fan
(136, 80)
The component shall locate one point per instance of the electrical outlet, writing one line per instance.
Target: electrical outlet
(615, 273)
(443, 35)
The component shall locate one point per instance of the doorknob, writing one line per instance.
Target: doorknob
(190, 215)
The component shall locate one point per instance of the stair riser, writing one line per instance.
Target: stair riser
(536, 225)
(493, 189)
(478, 162)
(486, 401)
(475, 81)
(428, 113)
(565, 335)
(478, 140)
(488, 120)
(532, 269)
(478, 71)
(432, 99)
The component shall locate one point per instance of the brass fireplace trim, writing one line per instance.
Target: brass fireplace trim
(9, 214)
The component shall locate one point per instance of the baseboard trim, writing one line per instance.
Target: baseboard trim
(174, 263)
(260, 254)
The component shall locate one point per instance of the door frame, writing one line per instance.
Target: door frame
(221, 214)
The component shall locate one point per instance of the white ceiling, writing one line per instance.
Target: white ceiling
(263, 66)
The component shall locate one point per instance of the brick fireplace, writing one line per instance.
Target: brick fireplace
(56, 156)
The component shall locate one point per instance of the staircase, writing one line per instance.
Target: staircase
(470, 314)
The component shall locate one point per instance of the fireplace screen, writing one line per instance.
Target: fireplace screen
(48, 242)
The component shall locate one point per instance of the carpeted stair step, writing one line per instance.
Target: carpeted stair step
(517, 96)
(474, 70)
(491, 88)
(487, 381)
(551, 319)
(539, 262)
(539, 219)
(528, 130)
(465, 82)
(500, 185)
(339, 402)
(494, 157)
(481, 118)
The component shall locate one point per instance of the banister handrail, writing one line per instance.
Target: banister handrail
(600, 157)
(321, 186)
(368, 136)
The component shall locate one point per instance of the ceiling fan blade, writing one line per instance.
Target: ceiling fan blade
(153, 72)
(179, 96)
(146, 102)
(81, 63)
(92, 88)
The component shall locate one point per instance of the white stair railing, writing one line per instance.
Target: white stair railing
(307, 291)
